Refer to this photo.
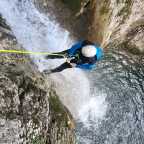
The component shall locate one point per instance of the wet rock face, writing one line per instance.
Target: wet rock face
(28, 113)
(3, 23)
(70, 15)
(24, 106)
(120, 20)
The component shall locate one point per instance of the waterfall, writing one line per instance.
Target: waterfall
(107, 102)
(38, 32)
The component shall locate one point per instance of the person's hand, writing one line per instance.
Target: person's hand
(69, 59)
(73, 64)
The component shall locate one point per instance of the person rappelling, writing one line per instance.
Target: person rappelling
(83, 55)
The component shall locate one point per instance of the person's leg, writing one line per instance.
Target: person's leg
(57, 55)
(58, 69)
(61, 67)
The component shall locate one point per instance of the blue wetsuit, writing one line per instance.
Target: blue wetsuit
(75, 53)
(85, 63)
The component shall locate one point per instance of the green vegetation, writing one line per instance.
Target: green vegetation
(38, 140)
(131, 48)
(73, 4)
(126, 10)
(3, 23)
(58, 110)
(104, 10)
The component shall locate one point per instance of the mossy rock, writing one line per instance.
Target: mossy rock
(38, 140)
(61, 124)
(59, 111)
(131, 48)
(3, 23)
(73, 4)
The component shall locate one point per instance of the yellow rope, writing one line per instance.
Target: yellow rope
(29, 52)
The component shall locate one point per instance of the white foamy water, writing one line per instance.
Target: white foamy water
(36, 32)
(33, 29)
(94, 109)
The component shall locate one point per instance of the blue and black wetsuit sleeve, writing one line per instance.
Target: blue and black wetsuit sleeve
(74, 48)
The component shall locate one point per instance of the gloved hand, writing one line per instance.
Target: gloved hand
(73, 64)
(68, 61)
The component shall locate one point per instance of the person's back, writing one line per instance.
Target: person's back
(86, 54)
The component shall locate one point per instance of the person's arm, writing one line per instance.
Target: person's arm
(72, 50)
(86, 66)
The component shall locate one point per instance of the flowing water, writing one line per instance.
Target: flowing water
(108, 102)
(122, 78)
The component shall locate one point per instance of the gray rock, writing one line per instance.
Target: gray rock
(30, 112)
(118, 21)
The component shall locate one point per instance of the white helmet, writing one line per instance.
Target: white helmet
(89, 51)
